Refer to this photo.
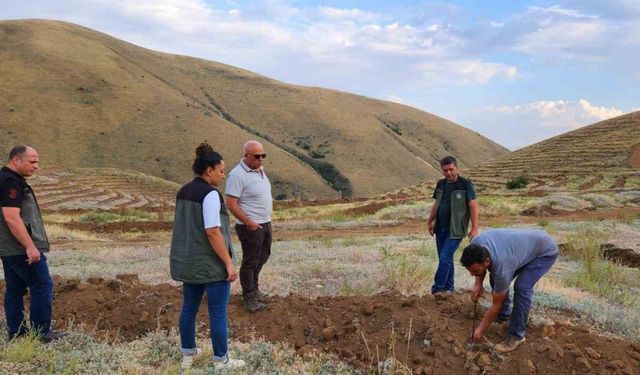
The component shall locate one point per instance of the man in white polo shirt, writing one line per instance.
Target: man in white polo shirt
(249, 199)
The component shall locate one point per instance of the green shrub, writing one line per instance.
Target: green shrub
(518, 182)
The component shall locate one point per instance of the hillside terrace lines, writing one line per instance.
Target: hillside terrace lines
(604, 146)
(104, 189)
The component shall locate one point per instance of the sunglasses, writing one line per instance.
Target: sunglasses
(259, 156)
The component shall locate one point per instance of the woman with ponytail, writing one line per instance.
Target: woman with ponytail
(202, 257)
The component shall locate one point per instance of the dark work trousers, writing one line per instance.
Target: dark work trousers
(21, 277)
(256, 249)
(525, 280)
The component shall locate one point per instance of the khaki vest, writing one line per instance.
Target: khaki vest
(192, 259)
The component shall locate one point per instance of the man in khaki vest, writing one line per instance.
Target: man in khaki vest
(23, 242)
(449, 218)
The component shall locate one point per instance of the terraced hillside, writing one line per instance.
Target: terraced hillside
(605, 155)
(101, 189)
(91, 100)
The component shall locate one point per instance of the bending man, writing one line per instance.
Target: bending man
(521, 254)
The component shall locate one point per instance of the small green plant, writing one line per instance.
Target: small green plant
(518, 182)
(22, 350)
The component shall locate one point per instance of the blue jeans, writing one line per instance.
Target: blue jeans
(443, 280)
(218, 299)
(19, 276)
(526, 279)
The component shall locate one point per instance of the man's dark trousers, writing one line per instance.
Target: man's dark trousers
(19, 277)
(256, 249)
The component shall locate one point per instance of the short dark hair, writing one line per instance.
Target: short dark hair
(474, 254)
(448, 160)
(205, 157)
(17, 151)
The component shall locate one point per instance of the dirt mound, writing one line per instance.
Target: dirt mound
(627, 257)
(428, 335)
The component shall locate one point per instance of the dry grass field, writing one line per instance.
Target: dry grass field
(349, 282)
(91, 100)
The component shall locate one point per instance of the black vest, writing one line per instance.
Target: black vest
(30, 214)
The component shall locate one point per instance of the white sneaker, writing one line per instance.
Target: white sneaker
(228, 364)
(187, 360)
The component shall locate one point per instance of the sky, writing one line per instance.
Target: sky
(517, 72)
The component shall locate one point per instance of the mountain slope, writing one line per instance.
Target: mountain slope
(86, 99)
(611, 146)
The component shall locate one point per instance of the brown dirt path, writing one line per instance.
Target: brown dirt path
(428, 335)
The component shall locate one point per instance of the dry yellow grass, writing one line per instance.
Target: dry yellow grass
(94, 101)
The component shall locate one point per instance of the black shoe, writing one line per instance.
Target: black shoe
(262, 296)
(52, 336)
(251, 303)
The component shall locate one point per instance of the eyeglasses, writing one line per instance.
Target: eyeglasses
(259, 156)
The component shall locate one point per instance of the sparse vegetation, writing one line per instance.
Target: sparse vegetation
(597, 275)
(111, 217)
(518, 182)
(406, 274)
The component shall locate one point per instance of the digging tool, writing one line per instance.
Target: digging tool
(475, 319)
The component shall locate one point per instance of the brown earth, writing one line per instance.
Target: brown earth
(626, 257)
(619, 182)
(368, 209)
(427, 334)
(409, 226)
(634, 156)
(121, 226)
(591, 183)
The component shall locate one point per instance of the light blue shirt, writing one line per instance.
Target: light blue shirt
(512, 249)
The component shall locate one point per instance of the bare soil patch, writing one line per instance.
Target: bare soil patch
(634, 156)
(542, 211)
(368, 209)
(427, 334)
(122, 226)
(589, 184)
(619, 182)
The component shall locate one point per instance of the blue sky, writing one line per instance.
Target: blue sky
(515, 71)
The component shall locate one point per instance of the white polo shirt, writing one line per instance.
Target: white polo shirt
(253, 190)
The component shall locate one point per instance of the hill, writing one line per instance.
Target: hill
(604, 155)
(85, 99)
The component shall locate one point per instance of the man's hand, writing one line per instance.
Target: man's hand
(476, 292)
(33, 255)
(253, 226)
(430, 227)
(476, 336)
(473, 232)
(231, 271)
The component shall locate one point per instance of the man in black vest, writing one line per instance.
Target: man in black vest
(23, 242)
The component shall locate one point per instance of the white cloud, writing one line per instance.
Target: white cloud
(351, 14)
(395, 99)
(465, 72)
(519, 125)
